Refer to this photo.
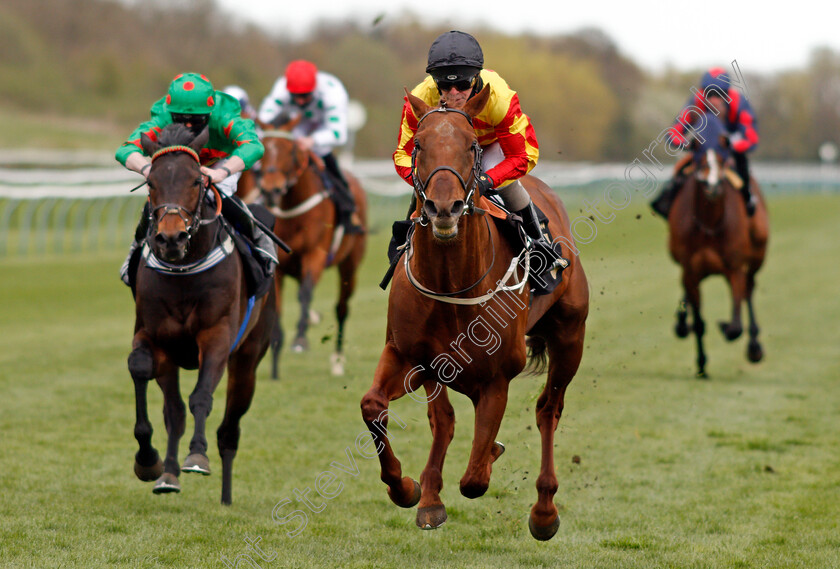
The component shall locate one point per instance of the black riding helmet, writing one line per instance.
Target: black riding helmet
(454, 56)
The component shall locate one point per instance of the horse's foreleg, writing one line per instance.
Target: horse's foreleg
(431, 512)
(175, 418)
(737, 284)
(213, 356)
(564, 360)
(489, 409)
(305, 293)
(147, 463)
(754, 351)
(691, 284)
(392, 379)
(346, 286)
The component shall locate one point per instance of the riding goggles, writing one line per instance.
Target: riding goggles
(459, 84)
(196, 122)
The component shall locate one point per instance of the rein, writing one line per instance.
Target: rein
(501, 285)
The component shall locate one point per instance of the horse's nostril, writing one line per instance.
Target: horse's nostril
(458, 207)
(430, 208)
(182, 237)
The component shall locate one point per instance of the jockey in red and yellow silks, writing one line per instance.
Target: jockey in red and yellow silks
(509, 144)
(502, 121)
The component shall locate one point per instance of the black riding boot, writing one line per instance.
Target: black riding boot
(546, 262)
(531, 223)
(345, 202)
(128, 270)
(662, 204)
(241, 218)
(743, 171)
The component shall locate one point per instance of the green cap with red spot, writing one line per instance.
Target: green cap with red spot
(191, 94)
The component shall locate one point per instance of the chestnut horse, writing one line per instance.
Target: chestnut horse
(293, 190)
(460, 315)
(711, 234)
(192, 311)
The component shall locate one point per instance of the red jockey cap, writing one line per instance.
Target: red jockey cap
(300, 77)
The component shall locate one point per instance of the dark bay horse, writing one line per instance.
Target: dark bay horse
(460, 315)
(294, 191)
(711, 234)
(192, 312)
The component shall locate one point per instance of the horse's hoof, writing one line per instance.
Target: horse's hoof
(148, 473)
(337, 364)
(498, 450)
(543, 533)
(300, 345)
(730, 332)
(681, 330)
(754, 352)
(431, 517)
(167, 484)
(197, 463)
(412, 501)
(702, 374)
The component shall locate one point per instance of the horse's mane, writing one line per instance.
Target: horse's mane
(175, 135)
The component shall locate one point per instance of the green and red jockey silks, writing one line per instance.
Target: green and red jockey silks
(192, 93)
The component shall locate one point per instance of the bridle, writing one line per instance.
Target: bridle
(420, 186)
(192, 219)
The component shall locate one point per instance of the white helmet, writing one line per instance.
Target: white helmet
(241, 96)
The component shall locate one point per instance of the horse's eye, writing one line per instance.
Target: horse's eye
(416, 144)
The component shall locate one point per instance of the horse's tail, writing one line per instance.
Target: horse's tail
(537, 356)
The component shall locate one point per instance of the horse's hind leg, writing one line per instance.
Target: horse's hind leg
(737, 284)
(240, 393)
(681, 328)
(392, 379)
(147, 463)
(564, 360)
(277, 335)
(431, 512)
(754, 351)
(213, 355)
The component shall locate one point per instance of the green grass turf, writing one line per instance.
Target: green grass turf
(739, 471)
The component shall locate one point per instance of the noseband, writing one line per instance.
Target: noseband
(421, 186)
(192, 219)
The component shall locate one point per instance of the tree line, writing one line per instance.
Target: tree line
(109, 60)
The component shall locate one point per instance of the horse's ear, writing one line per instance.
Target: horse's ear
(418, 106)
(199, 141)
(477, 103)
(149, 146)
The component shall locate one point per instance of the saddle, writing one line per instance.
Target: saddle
(546, 266)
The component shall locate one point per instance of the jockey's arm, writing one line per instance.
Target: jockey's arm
(139, 162)
(231, 166)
